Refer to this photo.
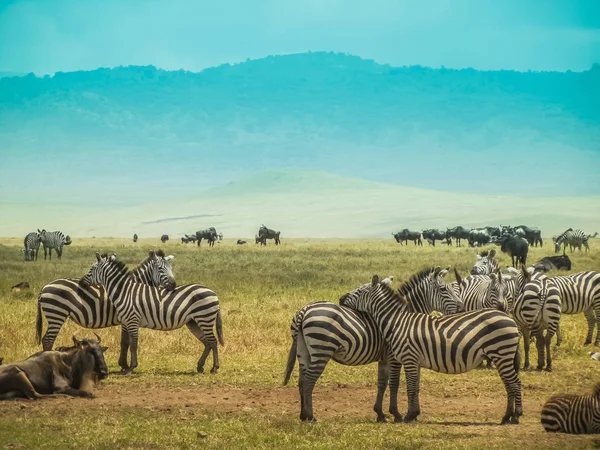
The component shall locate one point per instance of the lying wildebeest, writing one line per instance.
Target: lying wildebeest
(406, 235)
(240, 242)
(164, 238)
(135, 237)
(549, 263)
(71, 371)
(265, 233)
(458, 233)
(516, 247)
(20, 286)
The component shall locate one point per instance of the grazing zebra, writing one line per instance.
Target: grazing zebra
(89, 307)
(580, 293)
(323, 331)
(537, 308)
(451, 344)
(53, 240)
(572, 238)
(574, 414)
(482, 291)
(139, 305)
(485, 263)
(32, 246)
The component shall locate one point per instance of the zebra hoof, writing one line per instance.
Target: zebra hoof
(381, 419)
(308, 419)
(514, 420)
(214, 370)
(548, 369)
(587, 343)
(398, 419)
(411, 417)
(200, 369)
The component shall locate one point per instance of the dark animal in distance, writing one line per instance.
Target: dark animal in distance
(188, 238)
(432, 235)
(135, 238)
(240, 242)
(210, 234)
(479, 237)
(71, 371)
(549, 263)
(164, 238)
(574, 414)
(516, 247)
(406, 235)
(265, 233)
(532, 235)
(458, 233)
(20, 286)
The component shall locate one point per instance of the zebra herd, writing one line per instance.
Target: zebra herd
(50, 240)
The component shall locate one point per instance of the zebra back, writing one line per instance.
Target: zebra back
(579, 292)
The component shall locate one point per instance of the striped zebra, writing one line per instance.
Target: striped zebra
(574, 414)
(537, 308)
(451, 344)
(322, 331)
(141, 306)
(485, 263)
(32, 246)
(53, 240)
(572, 238)
(89, 307)
(482, 291)
(580, 293)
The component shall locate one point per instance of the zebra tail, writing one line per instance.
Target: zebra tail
(220, 328)
(38, 323)
(291, 362)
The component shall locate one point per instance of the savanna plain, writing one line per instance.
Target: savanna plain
(166, 404)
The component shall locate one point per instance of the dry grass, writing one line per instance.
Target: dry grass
(165, 404)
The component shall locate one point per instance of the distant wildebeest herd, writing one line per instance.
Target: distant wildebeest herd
(483, 317)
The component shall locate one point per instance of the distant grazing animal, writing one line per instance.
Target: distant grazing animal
(451, 344)
(574, 414)
(406, 235)
(135, 238)
(532, 235)
(458, 233)
(240, 242)
(164, 238)
(549, 263)
(220, 235)
(479, 237)
(72, 371)
(53, 240)
(31, 245)
(485, 263)
(572, 238)
(142, 306)
(210, 234)
(260, 240)
(493, 231)
(188, 238)
(89, 307)
(20, 286)
(433, 235)
(265, 233)
(516, 247)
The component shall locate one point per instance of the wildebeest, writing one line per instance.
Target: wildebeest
(240, 242)
(135, 237)
(406, 235)
(210, 234)
(532, 235)
(18, 287)
(188, 238)
(71, 371)
(549, 263)
(479, 237)
(458, 233)
(432, 235)
(265, 233)
(164, 238)
(259, 240)
(516, 247)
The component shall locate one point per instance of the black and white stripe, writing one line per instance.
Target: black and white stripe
(89, 307)
(572, 238)
(482, 291)
(537, 308)
(53, 240)
(580, 293)
(142, 306)
(575, 414)
(451, 344)
(31, 245)
(485, 263)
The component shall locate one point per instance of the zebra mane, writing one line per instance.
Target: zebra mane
(484, 253)
(390, 290)
(160, 253)
(414, 280)
(121, 266)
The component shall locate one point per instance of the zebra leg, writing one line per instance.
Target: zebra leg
(383, 373)
(394, 380)
(124, 350)
(507, 369)
(209, 344)
(133, 330)
(310, 371)
(54, 326)
(526, 343)
(548, 341)
(558, 336)
(540, 344)
(591, 320)
(412, 372)
(597, 313)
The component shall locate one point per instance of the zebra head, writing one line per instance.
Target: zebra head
(160, 270)
(368, 297)
(428, 291)
(104, 268)
(444, 299)
(485, 263)
(498, 290)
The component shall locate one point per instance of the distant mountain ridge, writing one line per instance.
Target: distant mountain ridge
(465, 130)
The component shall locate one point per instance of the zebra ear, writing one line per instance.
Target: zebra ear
(375, 280)
(113, 257)
(169, 258)
(443, 273)
(98, 257)
(492, 253)
(479, 256)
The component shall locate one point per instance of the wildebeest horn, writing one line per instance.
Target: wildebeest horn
(75, 340)
(97, 337)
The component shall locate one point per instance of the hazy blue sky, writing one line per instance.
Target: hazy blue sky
(45, 36)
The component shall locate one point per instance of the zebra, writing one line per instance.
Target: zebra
(572, 238)
(32, 246)
(482, 291)
(89, 307)
(450, 344)
(580, 292)
(537, 308)
(485, 263)
(322, 331)
(427, 291)
(53, 240)
(139, 305)
(575, 414)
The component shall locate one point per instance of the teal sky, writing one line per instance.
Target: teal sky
(45, 36)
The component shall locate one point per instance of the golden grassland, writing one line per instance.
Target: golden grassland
(165, 404)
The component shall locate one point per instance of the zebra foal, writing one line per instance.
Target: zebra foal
(451, 344)
(574, 414)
